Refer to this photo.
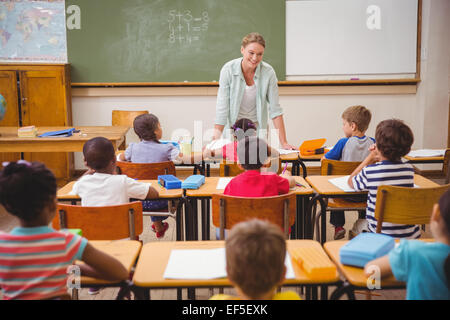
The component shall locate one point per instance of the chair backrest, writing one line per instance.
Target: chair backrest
(231, 169)
(146, 171)
(403, 205)
(102, 223)
(125, 117)
(446, 166)
(229, 210)
(335, 167)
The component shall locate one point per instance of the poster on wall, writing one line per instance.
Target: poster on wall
(33, 31)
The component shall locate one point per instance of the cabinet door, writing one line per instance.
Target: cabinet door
(43, 104)
(8, 89)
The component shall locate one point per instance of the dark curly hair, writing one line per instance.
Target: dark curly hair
(394, 139)
(243, 127)
(33, 181)
(98, 153)
(145, 125)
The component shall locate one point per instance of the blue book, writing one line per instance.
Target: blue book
(193, 182)
(169, 181)
(176, 144)
(364, 248)
(59, 133)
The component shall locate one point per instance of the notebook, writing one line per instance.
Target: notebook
(311, 147)
(58, 133)
(364, 248)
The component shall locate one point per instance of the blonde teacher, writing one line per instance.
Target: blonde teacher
(248, 88)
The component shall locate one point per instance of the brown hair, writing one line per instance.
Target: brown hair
(360, 115)
(252, 152)
(145, 125)
(255, 254)
(253, 37)
(98, 153)
(393, 138)
(241, 126)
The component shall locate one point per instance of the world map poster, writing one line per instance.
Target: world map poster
(32, 31)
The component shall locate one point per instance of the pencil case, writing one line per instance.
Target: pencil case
(169, 181)
(364, 248)
(314, 262)
(59, 133)
(193, 182)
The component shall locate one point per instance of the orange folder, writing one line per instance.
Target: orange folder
(311, 147)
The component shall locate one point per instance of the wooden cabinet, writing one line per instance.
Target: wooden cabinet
(39, 95)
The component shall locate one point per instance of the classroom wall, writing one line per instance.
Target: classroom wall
(312, 116)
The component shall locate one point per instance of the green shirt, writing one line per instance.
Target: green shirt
(231, 90)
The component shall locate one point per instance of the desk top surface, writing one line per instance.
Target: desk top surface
(149, 270)
(322, 185)
(126, 251)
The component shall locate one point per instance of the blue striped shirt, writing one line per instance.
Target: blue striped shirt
(386, 173)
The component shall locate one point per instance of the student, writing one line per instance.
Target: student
(241, 128)
(383, 166)
(253, 154)
(255, 254)
(34, 257)
(150, 150)
(354, 147)
(424, 266)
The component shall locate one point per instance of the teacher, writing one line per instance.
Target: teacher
(248, 88)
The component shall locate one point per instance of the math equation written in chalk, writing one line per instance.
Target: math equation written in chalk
(185, 27)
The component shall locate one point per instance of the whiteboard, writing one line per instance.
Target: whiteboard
(351, 37)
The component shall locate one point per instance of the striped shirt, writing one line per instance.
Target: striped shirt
(34, 262)
(386, 173)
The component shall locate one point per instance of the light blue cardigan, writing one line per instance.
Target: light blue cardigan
(231, 90)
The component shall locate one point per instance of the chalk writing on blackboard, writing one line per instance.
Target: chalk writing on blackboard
(185, 28)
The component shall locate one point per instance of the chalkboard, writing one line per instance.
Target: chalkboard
(123, 41)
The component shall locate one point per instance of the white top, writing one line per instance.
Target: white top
(248, 104)
(102, 189)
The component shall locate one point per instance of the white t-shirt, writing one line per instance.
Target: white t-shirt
(248, 104)
(102, 189)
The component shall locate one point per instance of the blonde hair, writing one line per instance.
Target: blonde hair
(360, 115)
(253, 37)
(255, 253)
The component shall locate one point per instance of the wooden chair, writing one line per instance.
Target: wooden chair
(149, 171)
(335, 167)
(404, 205)
(125, 118)
(102, 223)
(229, 210)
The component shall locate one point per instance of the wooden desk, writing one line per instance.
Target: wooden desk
(325, 189)
(10, 142)
(126, 251)
(63, 194)
(149, 271)
(355, 277)
(205, 192)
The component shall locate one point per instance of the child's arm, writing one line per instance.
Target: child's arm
(212, 153)
(291, 179)
(152, 193)
(382, 264)
(121, 157)
(102, 265)
(370, 159)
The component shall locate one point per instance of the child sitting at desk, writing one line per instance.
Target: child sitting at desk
(424, 266)
(254, 154)
(241, 128)
(354, 147)
(383, 166)
(255, 254)
(150, 150)
(35, 257)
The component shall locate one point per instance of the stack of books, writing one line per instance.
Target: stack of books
(27, 132)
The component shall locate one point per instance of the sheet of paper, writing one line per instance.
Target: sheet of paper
(223, 183)
(217, 144)
(421, 153)
(196, 264)
(285, 151)
(205, 264)
(342, 184)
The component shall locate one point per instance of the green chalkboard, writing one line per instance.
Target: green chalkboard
(122, 41)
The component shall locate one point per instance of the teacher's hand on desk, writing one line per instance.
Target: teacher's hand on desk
(287, 146)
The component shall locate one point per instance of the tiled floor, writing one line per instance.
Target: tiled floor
(7, 222)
